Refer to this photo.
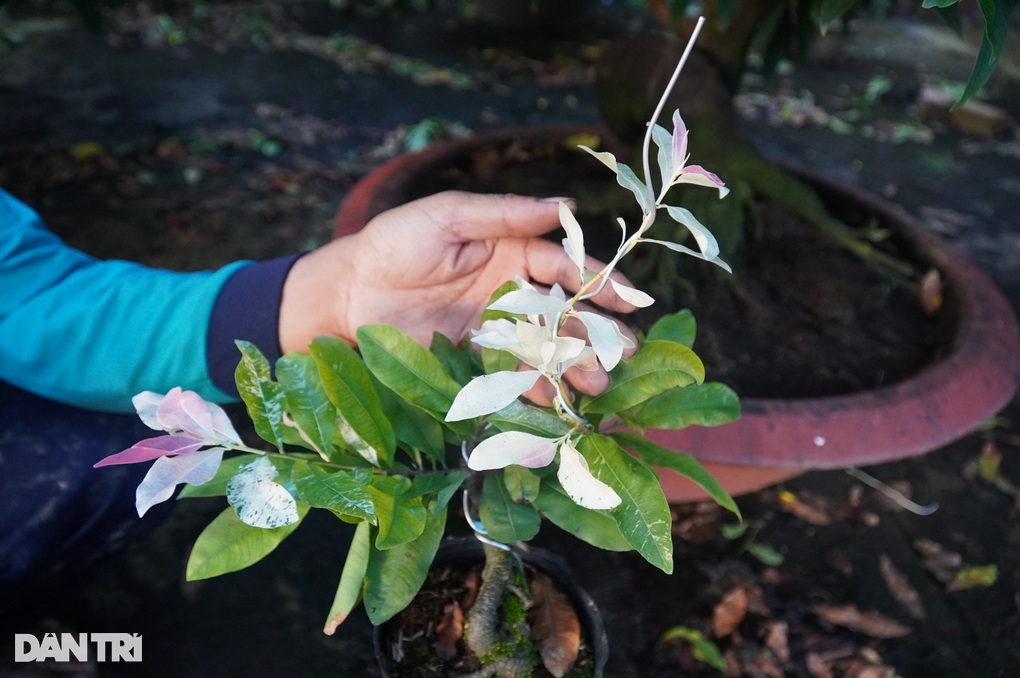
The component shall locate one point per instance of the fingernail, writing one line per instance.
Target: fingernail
(569, 201)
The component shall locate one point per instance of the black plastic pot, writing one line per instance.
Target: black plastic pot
(468, 550)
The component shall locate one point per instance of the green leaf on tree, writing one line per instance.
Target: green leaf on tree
(407, 368)
(678, 462)
(679, 327)
(643, 514)
(505, 520)
(597, 528)
(395, 575)
(360, 421)
(656, 367)
(340, 491)
(262, 396)
(307, 403)
(401, 518)
(228, 545)
(708, 404)
(352, 579)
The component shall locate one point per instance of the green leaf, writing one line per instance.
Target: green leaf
(680, 327)
(505, 520)
(928, 4)
(413, 427)
(217, 487)
(307, 403)
(598, 528)
(352, 579)
(830, 10)
(401, 518)
(459, 362)
(656, 367)
(518, 416)
(703, 649)
(262, 396)
(228, 545)
(708, 404)
(765, 554)
(664, 153)
(976, 576)
(360, 420)
(996, 14)
(395, 575)
(522, 483)
(407, 368)
(340, 491)
(439, 486)
(643, 514)
(678, 462)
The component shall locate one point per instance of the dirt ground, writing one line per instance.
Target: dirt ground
(188, 138)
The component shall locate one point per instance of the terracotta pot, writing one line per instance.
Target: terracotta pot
(468, 551)
(778, 438)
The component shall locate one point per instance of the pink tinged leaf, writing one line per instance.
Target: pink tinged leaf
(679, 140)
(169, 472)
(580, 485)
(152, 448)
(529, 302)
(696, 174)
(632, 296)
(489, 393)
(188, 413)
(513, 447)
(258, 500)
(146, 403)
(605, 337)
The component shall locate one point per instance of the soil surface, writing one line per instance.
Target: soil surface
(188, 137)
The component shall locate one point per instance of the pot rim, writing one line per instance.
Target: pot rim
(941, 403)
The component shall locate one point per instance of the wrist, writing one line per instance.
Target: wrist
(311, 299)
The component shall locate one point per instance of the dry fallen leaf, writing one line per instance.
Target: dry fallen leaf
(931, 291)
(729, 612)
(776, 639)
(791, 503)
(941, 563)
(906, 595)
(554, 626)
(870, 624)
(449, 631)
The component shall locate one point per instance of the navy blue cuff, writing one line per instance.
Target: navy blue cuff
(248, 308)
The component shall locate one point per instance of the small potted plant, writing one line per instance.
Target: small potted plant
(385, 435)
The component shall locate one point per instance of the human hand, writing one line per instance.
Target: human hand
(431, 266)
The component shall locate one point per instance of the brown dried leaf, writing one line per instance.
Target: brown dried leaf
(931, 291)
(729, 612)
(941, 563)
(449, 631)
(906, 595)
(790, 503)
(554, 626)
(776, 639)
(471, 583)
(870, 624)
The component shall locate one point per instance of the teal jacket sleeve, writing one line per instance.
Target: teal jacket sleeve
(94, 333)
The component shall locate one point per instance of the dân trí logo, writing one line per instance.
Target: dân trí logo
(83, 647)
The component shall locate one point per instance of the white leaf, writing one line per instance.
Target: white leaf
(258, 500)
(146, 403)
(489, 393)
(580, 485)
(513, 447)
(529, 302)
(605, 337)
(574, 242)
(677, 247)
(664, 142)
(631, 295)
(607, 159)
(706, 241)
(167, 473)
